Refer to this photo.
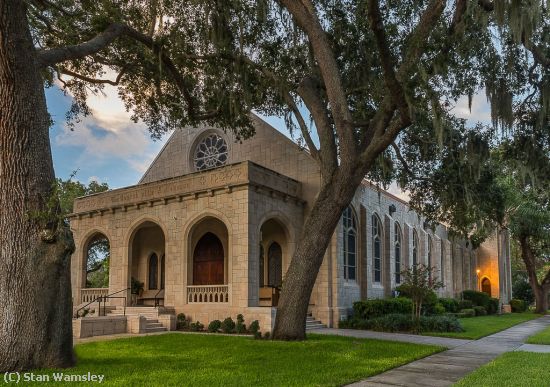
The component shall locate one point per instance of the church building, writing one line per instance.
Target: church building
(212, 225)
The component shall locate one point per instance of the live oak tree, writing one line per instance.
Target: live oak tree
(363, 71)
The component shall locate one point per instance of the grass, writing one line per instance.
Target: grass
(477, 327)
(512, 369)
(211, 360)
(542, 337)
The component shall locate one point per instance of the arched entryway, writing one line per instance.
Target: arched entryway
(146, 264)
(273, 257)
(208, 261)
(486, 286)
(95, 268)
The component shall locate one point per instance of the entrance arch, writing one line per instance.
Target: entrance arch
(208, 261)
(486, 286)
(274, 250)
(275, 265)
(97, 251)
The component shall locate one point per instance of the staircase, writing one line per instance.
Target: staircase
(312, 323)
(149, 312)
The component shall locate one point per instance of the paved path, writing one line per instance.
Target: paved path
(446, 368)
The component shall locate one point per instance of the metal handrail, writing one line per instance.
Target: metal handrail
(104, 299)
(157, 299)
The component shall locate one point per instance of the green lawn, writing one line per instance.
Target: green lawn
(512, 369)
(477, 327)
(211, 360)
(540, 338)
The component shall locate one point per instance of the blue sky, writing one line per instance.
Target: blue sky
(109, 147)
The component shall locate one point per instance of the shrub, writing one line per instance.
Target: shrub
(518, 305)
(214, 326)
(390, 323)
(440, 324)
(375, 308)
(228, 325)
(405, 323)
(523, 291)
(240, 327)
(266, 335)
(477, 298)
(428, 304)
(196, 326)
(492, 308)
(450, 304)
(438, 309)
(254, 327)
(470, 312)
(480, 311)
(465, 304)
(182, 322)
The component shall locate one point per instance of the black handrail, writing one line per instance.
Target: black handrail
(157, 299)
(103, 298)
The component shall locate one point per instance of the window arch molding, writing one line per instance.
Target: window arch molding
(210, 149)
(377, 247)
(350, 243)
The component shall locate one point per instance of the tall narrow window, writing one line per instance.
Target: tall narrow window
(397, 244)
(153, 271)
(415, 248)
(350, 243)
(377, 247)
(430, 251)
(162, 271)
(442, 263)
(261, 266)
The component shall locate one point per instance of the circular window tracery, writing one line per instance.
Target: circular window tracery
(211, 152)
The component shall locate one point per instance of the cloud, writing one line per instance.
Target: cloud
(481, 111)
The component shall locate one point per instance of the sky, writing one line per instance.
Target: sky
(110, 148)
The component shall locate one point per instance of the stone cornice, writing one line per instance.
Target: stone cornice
(226, 179)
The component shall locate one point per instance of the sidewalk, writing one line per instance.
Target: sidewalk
(446, 368)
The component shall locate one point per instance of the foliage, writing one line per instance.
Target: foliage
(182, 322)
(465, 304)
(493, 305)
(240, 327)
(196, 326)
(368, 309)
(480, 311)
(405, 323)
(477, 298)
(465, 313)
(518, 306)
(419, 283)
(228, 325)
(450, 304)
(523, 291)
(69, 190)
(542, 337)
(214, 326)
(254, 327)
(136, 286)
(439, 309)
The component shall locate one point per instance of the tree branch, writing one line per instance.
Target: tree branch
(93, 80)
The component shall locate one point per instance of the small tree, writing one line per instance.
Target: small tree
(418, 284)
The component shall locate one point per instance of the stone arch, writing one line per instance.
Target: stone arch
(95, 236)
(198, 137)
(485, 285)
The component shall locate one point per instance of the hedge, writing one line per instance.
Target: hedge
(369, 309)
(405, 323)
(477, 298)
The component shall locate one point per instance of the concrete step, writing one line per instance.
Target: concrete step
(315, 326)
(153, 325)
(155, 329)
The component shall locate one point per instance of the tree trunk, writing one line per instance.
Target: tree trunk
(333, 198)
(35, 292)
(539, 290)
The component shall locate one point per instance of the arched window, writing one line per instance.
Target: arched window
(430, 251)
(97, 255)
(162, 271)
(486, 286)
(275, 265)
(350, 243)
(377, 247)
(415, 248)
(153, 271)
(397, 244)
(442, 263)
(211, 152)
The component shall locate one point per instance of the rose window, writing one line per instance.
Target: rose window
(211, 152)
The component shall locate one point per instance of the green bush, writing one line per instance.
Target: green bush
(214, 326)
(518, 306)
(477, 298)
(439, 309)
(429, 302)
(450, 304)
(523, 291)
(469, 312)
(376, 308)
(492, 308)
(480, 311)
(196, 326)
(405, 323)
(228, 325)
(254, 327)
(240, 327)
(182, 322)
(465, 304)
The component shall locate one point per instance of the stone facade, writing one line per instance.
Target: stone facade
(255, 205)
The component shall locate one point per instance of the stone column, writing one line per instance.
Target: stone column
(504, 267)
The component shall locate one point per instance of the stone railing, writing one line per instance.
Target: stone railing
(208, 294)
(90, 294)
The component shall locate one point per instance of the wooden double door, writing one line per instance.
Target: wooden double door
(208, 261)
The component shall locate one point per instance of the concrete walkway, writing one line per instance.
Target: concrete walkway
(446, 368)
